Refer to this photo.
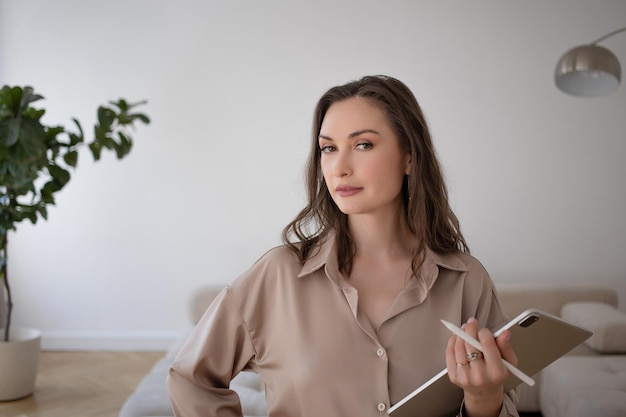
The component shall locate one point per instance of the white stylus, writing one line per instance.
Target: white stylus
(469, 339)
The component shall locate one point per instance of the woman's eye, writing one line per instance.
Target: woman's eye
(327, 148)
(364, 146)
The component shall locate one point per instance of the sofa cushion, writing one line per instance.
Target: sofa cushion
(550, 297)
(251, 393)
(150, 398)
(607, 323)
(584, 386)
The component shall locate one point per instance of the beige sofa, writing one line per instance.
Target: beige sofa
(590, 381)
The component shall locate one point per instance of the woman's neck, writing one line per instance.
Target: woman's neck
(382, 236)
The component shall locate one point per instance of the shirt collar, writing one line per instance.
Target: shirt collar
(326, 255)
(451, 261)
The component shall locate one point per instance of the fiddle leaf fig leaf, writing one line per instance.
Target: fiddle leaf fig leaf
(48, 190)
(141, 117)
(51, 140)
(28, 96)
(61, 175)
(43, 211)
(9, 131)
(75, 139)
(126, 144)
(100, 133)
(121, 104)
(31, 148)
(30, 215)
(71, 158)
(96, 150)
(10, 97)
(4, 153)
(106, 117)
(33, 113)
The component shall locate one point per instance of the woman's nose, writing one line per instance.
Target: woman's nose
(342, 166)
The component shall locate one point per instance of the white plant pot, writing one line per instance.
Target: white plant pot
(19, 362)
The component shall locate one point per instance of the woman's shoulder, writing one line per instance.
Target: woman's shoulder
(457, 260)
(277, 263)
(278, 256)
(265, 284)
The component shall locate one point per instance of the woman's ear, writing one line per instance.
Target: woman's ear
(407, 169)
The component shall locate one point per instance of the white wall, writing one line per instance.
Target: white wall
(535, 176)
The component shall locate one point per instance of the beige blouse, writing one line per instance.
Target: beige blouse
(299, 327)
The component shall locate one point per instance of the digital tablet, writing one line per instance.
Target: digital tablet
(538, 339)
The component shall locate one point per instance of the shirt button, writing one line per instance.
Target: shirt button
(380, 352)
(381, 407)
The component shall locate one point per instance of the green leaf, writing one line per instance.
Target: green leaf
(61, 175)
(100, 133)
(106, 117)
(31, 215)
(10, 97)
(33, 113)
(75, 139)
(121, 104)
(109, 143)
(9, 131)
(48, 190)
(31, 146)
(71, 158)
(28, 96)
(141, 117)
(51, 135)
(43, 211)
(4, 152)
(139, 103)
(96, 150)
(126, 144)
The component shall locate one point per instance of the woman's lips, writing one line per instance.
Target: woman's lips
(347, 190)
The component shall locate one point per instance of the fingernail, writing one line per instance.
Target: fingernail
(471, 320)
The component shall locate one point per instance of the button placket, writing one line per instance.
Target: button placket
(380, 352)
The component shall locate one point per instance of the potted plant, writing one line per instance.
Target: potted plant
(35, 164)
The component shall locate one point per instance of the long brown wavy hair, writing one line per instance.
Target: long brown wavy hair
(428, 213)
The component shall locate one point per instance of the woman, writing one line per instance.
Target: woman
(344, 319)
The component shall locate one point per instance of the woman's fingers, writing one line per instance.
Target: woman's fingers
(505, 348)
(473, 369)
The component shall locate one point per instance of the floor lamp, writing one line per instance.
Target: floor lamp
(589, 70)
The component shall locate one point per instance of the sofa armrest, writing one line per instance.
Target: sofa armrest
(607, 323)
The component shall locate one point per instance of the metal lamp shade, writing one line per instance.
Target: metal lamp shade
(588, 71)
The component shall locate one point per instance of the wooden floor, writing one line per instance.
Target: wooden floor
(86, 384)
(82, 384)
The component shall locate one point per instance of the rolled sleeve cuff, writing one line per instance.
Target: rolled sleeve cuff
(508, 409)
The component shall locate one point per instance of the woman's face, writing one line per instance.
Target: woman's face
(361, 158)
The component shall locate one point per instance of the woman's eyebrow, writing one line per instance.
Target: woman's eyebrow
(360, 132)
(352, 135)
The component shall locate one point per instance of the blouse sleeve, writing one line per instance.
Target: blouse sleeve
(217, 350)
(508, 406)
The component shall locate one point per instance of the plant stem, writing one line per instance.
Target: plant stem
(7, 289)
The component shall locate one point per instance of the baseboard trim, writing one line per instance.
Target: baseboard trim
(108, 341)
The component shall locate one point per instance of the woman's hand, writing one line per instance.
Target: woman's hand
(481, 376)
